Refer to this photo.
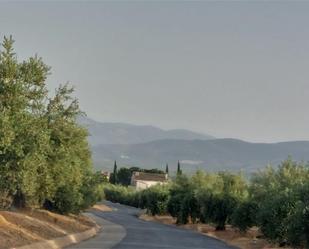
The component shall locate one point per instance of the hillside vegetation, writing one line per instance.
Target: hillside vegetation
(275, 200)
(212, 155)
(44, 154)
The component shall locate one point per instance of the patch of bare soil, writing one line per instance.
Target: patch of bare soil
(248, 240)
(27, 226)
(11, 235)
(102, 207)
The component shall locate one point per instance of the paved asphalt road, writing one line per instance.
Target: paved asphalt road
(123, 230)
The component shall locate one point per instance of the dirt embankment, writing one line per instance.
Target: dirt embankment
(27, 226)
(248, 240)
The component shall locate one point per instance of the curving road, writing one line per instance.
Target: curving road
(123, 230)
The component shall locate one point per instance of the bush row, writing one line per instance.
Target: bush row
(153, 199)
(275, 200)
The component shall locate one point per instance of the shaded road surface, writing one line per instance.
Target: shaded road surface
(123, 230)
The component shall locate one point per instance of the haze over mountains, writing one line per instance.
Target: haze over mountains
(121, 133)
(152, 147)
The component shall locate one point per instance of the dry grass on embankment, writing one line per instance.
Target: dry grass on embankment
(231, 236)
(27, 226)
(102, 208)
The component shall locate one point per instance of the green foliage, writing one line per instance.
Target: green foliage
(124, 176)
(121, 194)
(182, 203)
(282, 198)
(275, 200)
(67, 200)
(22, 140)
(44, 154)
(219, 196)
(217, 209)
(273, 214)
(298, 225)
(244, 216)
(92, 189)
(206, 197)
(154, 199)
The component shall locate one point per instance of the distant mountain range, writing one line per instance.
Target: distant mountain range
(218, 154)
(151, 147)
(120, 133)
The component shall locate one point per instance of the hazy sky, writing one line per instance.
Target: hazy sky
(229, 69)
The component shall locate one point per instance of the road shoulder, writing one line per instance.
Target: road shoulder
(109, 236)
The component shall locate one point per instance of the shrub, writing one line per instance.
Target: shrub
(92, 189)
(244, 216)
(218, 200)
(296, 226)
(281, 196)
(217, 209)
(182, 203)
(298, 222)
(67, 200)
(156, 198)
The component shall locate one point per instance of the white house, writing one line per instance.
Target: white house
(142, 180)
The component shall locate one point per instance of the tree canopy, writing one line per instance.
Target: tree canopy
(44, 154)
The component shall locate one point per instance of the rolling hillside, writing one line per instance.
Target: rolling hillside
(217, 154)
(152, 147)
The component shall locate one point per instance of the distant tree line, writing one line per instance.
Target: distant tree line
(44, 154)
(275, 200)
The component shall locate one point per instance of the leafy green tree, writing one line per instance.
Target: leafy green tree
(244, 217)
(156, 198)
(67, 200)
(217, 208)
(124, 176)
(22, 139)
(92, 189)
(69, 159)
(218, 202)
(182, 203)
(45, 158)
(298, 223)
(277, 193)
